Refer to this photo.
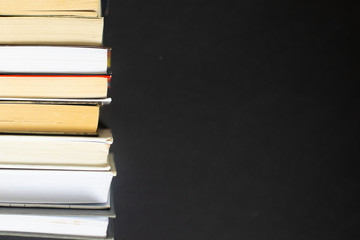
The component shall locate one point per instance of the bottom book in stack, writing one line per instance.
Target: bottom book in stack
(69, 202)
(90, 224)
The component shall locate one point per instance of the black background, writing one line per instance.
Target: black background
(234, 119)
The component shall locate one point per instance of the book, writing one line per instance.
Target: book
(51, 30)
(54, 86)
(49, 188)
(69, 211)
(56, 151)
(87, 8)
(54, 60)
(57, 223)
(56, 227)
(50, 116)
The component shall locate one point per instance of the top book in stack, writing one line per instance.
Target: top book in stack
(51, 22)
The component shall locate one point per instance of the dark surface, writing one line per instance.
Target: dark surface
(234, 119)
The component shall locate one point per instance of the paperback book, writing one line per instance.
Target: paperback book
(56, 151)
(57, 223)
(69, 188)
(50, 116)
(54, 86)
(18, 59)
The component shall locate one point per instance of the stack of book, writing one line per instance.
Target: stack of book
(55, 166)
